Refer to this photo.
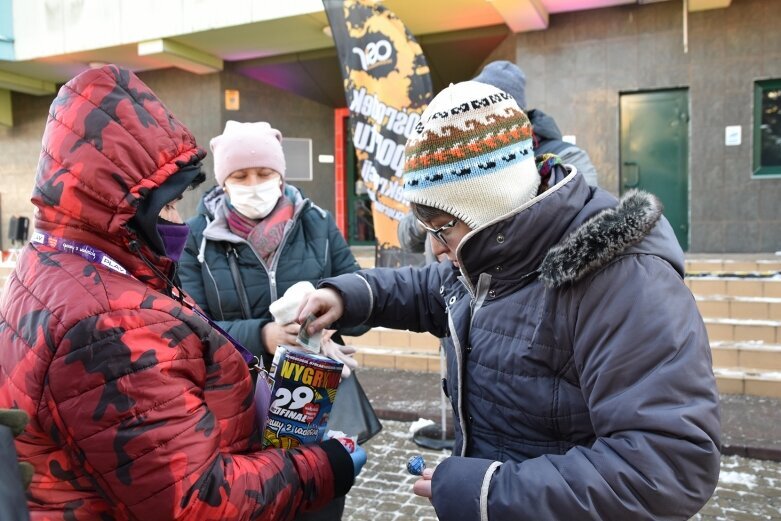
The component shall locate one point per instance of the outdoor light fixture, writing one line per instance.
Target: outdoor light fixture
(180, 55)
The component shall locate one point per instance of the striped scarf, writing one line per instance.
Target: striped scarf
(263, 235)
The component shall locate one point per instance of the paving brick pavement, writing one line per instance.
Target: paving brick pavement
(383, 491)
(748, 489)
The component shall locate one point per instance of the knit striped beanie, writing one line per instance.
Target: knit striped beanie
(471, 155)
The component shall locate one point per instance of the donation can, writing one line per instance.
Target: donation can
(303, 388)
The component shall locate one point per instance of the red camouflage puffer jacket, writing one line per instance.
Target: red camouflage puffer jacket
(139, 409)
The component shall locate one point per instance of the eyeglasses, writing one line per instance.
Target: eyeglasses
(438, 233)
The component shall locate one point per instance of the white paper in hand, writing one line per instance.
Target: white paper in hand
(285, 309)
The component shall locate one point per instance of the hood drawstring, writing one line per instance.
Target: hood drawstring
(178, 295)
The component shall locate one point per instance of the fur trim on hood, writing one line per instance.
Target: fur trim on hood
(600, 239)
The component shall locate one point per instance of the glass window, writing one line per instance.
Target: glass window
(767, 128)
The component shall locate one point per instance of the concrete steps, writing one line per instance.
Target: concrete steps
(740, 301)
(741, 264)
(751, 287)
(748, 308)
(364, 255)
(5, 270)
(750, 356)
(393, 349)
(742, 330)
(740, 380)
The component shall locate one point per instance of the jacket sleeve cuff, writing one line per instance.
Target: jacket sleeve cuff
(357, 297)
(459, 489)
(342, 466)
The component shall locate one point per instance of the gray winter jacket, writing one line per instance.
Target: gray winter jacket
(548, 141)
(579, 368)
(413, 239)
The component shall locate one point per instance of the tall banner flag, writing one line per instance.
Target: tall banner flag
(387, 85)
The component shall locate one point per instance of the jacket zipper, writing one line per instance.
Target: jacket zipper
(459, 390)
(271, 269)
(478, 296)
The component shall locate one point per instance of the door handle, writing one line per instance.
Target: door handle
(631, 167)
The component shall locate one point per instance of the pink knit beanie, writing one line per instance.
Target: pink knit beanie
(247, 145)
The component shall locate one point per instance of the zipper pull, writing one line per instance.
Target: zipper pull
(272, 279)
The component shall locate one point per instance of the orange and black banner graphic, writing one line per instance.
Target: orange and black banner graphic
(387, 85)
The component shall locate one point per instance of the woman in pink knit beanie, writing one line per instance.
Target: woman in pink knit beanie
(253, 238)
(250, 165)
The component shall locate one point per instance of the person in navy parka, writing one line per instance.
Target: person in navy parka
(578, 365)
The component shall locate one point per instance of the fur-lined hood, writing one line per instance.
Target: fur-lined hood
(564, 234)
(600, 239)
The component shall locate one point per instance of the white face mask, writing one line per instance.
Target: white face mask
(255, 201)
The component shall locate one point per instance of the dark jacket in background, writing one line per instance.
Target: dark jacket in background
(548, 141)
(312, 249)
(412, 239)
(585, 392)
(508, 77)
(13, 503)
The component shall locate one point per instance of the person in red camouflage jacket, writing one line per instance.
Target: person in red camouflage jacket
(138, 408)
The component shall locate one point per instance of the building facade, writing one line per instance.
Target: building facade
(682, 102)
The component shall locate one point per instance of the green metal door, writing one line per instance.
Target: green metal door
(655, 151)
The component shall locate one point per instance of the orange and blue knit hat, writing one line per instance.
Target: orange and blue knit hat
(471, 155)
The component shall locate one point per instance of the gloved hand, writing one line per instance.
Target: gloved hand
(16, 420)
(342, 354)
(357, 454)
(359, 459)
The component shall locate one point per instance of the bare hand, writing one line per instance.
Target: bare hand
(326, 304)
(422, 487)
(274, 335)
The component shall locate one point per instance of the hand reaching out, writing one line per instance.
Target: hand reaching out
(326, 304)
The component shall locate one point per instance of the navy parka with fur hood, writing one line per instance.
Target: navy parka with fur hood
(578, 365)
